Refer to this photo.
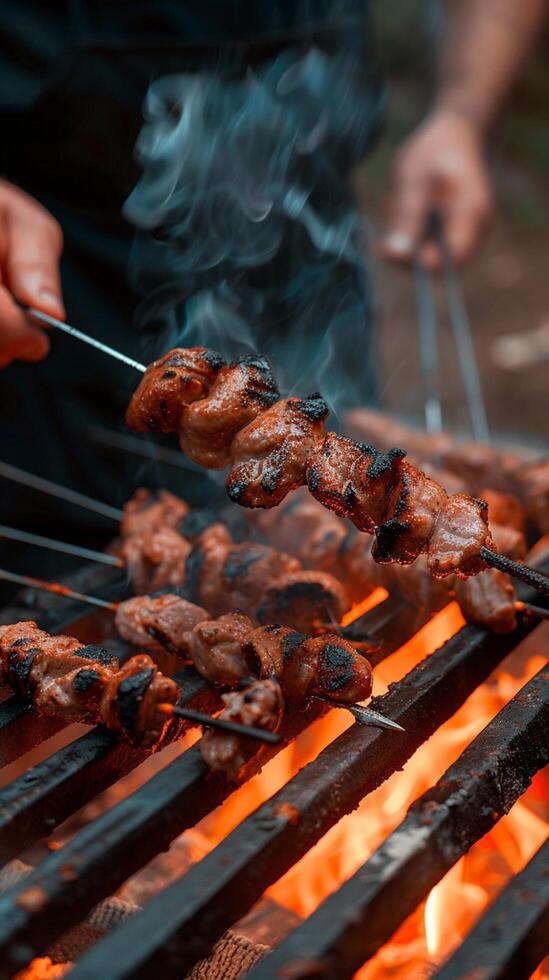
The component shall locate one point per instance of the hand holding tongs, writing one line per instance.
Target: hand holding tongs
(461, 329)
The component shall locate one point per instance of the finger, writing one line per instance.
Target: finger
(465, 223)
(407, 221)
(19, 339)
(32, 252)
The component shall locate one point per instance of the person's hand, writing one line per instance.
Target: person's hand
(31, 243)
(441, 166)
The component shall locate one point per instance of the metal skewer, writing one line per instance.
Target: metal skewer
(428, 347)
(537, 611)
(463, 340)
(56, 589)
(366, 716)
(537, 580)
(26, 537)
(13, 473)
(272, 738)
(79, 335)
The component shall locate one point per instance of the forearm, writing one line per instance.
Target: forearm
(487, 44)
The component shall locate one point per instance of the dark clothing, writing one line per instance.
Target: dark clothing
(73, 77)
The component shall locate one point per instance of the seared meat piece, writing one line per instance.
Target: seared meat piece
(329, 474)
(422, 589)
(408, 530)
(58, 674)
(509, 542)
(301, 599)
(156, 560)
(269, 455)
(460, 532)
(533, 481)
(376, 483)
(488, 599)
(260, 705)
(130, 700)
(148, 511)
(304, 667)
(503, 509)
(182, 376)
(478, 464)
(63, 677)
(214, 647)
(205, 565)
(248, 571)
(240, 393)
(158, 622)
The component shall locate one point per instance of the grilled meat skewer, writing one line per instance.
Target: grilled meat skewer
(62, 677)
(274, 445)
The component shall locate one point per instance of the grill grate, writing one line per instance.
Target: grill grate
(185, 920)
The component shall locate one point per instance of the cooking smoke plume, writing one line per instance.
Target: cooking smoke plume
(248, 237)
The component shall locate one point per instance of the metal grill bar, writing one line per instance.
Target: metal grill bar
(512, 937)
(122, 840)
(179, 926)
(472, 795)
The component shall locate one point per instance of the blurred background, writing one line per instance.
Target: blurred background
(507, 283)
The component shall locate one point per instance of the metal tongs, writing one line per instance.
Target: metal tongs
(428, 336)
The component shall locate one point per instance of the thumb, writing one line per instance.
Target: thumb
(33, 249)
(407, 218)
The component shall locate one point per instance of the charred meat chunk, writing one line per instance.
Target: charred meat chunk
(303, 599)
(148, 511)
(260, 705)
(406, 533)
(242, 391)
(179, 378)
(158, 622)
(269, 456)
(214, 647)
(460, 532)
(156, 560)
(130, 701)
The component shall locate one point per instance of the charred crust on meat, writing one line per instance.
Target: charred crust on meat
(21, 641)
(193, 568)
(383, 462)
(129, 696)
(349, 495)
(313, 479)
(313, 407)
(336, 665)
(19, 668)
(238, 563)
(236, 490)
(387, 535)
(213, 359)
(170, 374)
(99, 655)
(85, 679)
(176, 360)
(161, 638)
(279, 600)
(195, 522)
(402, 501)
(273, 469)
(152, 425)
(290, 644)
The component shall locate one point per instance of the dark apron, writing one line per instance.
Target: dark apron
(73, 151)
